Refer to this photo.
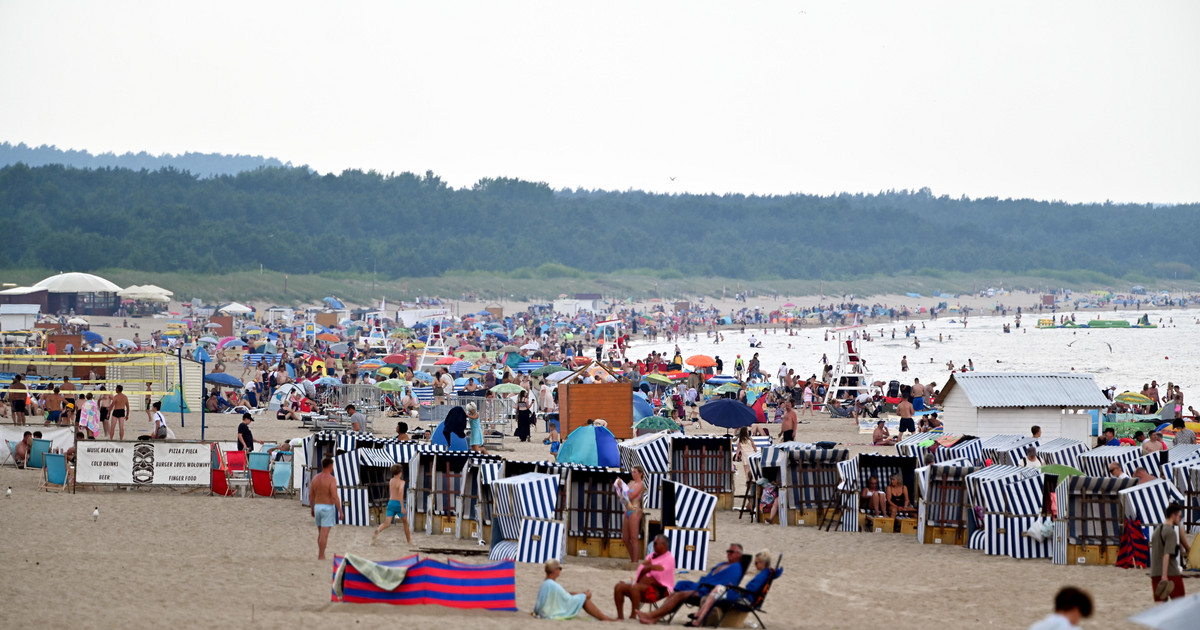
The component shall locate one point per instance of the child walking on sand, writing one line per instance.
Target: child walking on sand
(395, 506)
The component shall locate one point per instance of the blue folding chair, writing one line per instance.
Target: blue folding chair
(37, 453)
(54, 473)
(258, 461)
(281, 477)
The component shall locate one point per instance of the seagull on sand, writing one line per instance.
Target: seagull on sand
(95, 514)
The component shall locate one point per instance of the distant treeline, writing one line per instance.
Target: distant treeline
(201, 164)
(296, 221)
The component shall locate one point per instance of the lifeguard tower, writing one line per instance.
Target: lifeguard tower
(435, 346)
(850, 373)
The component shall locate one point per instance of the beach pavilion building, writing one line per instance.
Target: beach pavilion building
(80, 293)
(986, 404)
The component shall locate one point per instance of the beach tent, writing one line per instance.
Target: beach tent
(524, 526)
(174, 402)
(282, 394)
(412, 581)
(590, 445)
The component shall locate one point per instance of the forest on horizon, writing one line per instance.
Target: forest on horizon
(408, 225)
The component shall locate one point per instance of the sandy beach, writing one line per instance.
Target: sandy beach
(185, 558)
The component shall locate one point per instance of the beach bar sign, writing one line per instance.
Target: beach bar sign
(143, 463)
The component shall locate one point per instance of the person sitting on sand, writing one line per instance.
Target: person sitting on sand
(556, 602)
(897, 496)
(881, 436)
(728, 573)
(762, 562)
(874, 498)
(654, 580)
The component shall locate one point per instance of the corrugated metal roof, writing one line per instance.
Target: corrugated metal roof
(1028, 390)
(20, 309)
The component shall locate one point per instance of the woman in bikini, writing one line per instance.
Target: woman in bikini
(897, 497)
(632, 522)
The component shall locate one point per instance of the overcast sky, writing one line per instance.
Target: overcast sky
(1081, 101)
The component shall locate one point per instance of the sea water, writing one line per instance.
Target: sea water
(1123, 357)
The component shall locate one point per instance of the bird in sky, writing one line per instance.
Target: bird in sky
(672, 179)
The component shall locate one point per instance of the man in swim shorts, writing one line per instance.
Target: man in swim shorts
(906, 412)
(395, 505)
(326, 508)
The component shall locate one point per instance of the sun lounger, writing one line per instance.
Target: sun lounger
(732, 612)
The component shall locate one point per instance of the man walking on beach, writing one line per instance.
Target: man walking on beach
(326, 508)
(1166, 574)
(395, 504)
(788, 425)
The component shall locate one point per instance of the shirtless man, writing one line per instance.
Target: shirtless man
(905, 411)
(326, 508)
(788, 424)
(120, 411)
(918, 396)
(53, 403)
(881, 437)
(16, 400)
(395, 505)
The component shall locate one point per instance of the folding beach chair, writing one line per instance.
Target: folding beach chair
(37, 453)
(281, 478)
(221, 484)
(54, 473)
(260, 474)
(695, 600)
(731, 613)
(235, 461)
(12, 453)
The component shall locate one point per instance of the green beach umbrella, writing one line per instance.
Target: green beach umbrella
(657, 379)
(728, 388)
(392, 385)
(547, 370)
(508, 388)
(1061, 471)
(656, 423)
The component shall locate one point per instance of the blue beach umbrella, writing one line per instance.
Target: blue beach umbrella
(728, 413)
(223, 379)
(590, 446)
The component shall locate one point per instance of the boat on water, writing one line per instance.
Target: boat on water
(1142, 322)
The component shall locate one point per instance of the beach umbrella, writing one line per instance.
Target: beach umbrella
(531, 346)
(339, 348)
(394, 358)
(125, 343)
(728, 388)
(223, 379)
(642, 407)
(501, 336)
(333, 302)
(91, 337)
(656, 423)
(327, 381)
(460, 366)
(721, 380)
(508, 388)
(509, 348)
(207, 339)
(1180, 613)
(392, 385)
(468, 348)
(728, 413)
(1061, 470)
(1130, 398)
(546, 370)
(657, 379)
(330, 337)
(446, 361)
(201, 355)
(559, 376)
(77, 321)
(424, 376)
(590, 446)
(212, 325)
(416, 345)
(701, 361)
(234, 308)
